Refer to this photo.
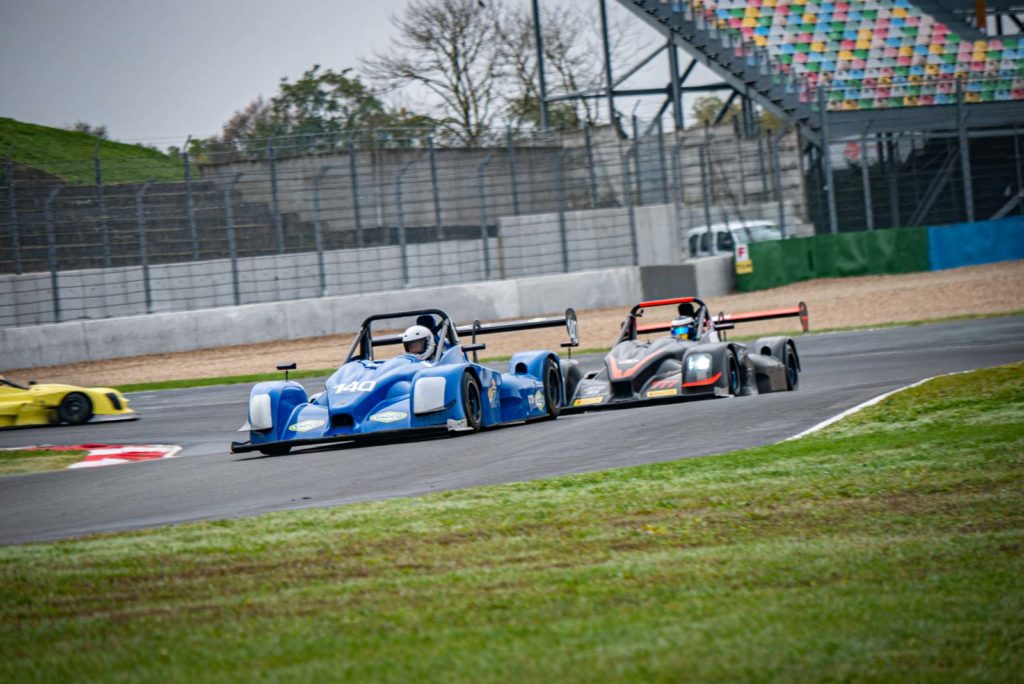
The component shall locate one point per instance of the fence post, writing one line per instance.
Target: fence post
(760, 161)
(189, 206)
(637, 151)
(101, 199)
(965, 151)
(229, 208)
(662, 162)
(1017, 166)
(484, 234)
(318, 234)
(739, 161)
(512, 171)
(826, 158)
(12, 210)
(51, 250)
(434, 187)
(278, 229)
(630, 210)
(773, 143)
(401, 222)
(140, 222)
(560, 195)
(355, 192)
(705, 192)
(869, 210)
(677, 184)
(590, 167)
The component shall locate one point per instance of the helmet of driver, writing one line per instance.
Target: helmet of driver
(418, 341)
(683, 328)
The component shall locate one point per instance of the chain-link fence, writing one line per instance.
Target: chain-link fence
(944, 170)
(331, 215)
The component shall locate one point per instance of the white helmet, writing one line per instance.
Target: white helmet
(684, 328)
(418, 341)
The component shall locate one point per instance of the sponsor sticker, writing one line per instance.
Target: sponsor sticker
(587, 401)
(662, 393)
(539, 400)
(388, 416)
(356, 386)
(306, 425)
(592, 391)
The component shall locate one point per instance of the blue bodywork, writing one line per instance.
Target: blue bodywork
(367, 397)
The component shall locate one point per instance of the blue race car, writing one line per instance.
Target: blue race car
(432, 386)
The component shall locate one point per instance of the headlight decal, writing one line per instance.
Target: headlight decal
(428, 395)
(260, 416)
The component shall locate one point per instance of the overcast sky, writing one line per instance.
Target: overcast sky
(156, 71)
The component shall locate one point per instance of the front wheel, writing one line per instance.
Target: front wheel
(75, 408)
(472, 405)
(552, 389)
(792, 369)
(733, 370)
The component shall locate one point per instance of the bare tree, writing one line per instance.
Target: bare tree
(573, 55)
(448, 47)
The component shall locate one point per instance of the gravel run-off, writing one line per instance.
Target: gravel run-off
(833, 303)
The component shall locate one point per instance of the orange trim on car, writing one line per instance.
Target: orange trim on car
(702, 383)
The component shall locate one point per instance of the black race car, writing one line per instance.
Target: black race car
(694, 360)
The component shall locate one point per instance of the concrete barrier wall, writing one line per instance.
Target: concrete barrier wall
(93, 340)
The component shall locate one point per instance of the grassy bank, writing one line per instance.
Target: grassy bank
(888, 547)
(69, 155)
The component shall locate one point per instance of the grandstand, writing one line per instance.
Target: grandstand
(887, 62)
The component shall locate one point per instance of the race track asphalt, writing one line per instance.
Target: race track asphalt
(205, 482)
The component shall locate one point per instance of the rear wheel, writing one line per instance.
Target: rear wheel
(75, 408)
(792, 369)
(472, 405)
(733, 370)
(552, 389)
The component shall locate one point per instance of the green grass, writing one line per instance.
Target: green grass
(889, 547)
(69, 155)
(19, 462)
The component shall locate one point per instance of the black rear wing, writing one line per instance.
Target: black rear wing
(477, 328)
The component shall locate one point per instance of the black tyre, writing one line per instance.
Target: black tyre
(792, 369)
(276, 450)
(75, 408)
(472, 405)
(733, 374)
(552, 389)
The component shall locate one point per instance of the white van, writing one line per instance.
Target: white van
(729, 234)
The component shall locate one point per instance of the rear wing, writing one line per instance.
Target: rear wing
(477, 328)
(723, 321)
(728, 321)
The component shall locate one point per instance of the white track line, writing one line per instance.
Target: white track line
(860, 407)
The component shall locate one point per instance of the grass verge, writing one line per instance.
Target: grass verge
(20, 462)
(888, 547)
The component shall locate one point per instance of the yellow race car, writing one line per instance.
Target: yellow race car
(56, 404)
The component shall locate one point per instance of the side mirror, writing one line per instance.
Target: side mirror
(287, 367)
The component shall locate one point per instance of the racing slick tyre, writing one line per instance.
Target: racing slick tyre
(733, 378)
(472, 405)
(75, 408)
(792, 369)
(552, 389)
(278, 450)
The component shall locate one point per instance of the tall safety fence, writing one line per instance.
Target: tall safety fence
(945, 166)
(313, 216)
